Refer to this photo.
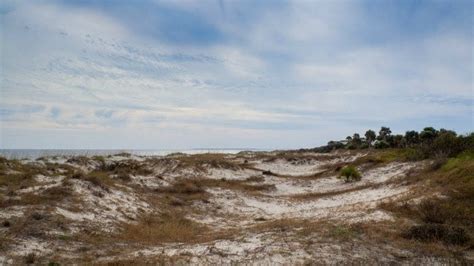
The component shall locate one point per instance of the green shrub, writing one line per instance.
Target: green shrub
(364, 146)
(381, 144)
(350, 173)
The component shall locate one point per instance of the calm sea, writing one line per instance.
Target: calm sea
(34, 154)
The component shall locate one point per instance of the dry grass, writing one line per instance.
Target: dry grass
(125, 168)
(282, 225)
(293, 157)
(79, 160)
(100, 179)
(50, 196)
(443, 221)
(196, 187)
(239, 185)
(16, 175)
(317, 195)
(36, 223)
(168, 227)
(155, 260)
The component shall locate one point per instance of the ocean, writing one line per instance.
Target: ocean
(37, 153)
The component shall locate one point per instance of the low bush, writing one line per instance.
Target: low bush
(30, 258)
(350, 173)
(57, 193)
(431, 212)
(183, 187)
(381, 144)
(100, 179)
(167, 227)
(437, 232)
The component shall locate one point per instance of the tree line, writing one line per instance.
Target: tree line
(426, 143)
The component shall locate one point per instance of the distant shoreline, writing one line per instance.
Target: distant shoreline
(37, 153)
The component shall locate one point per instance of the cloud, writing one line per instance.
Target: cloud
(246, 70)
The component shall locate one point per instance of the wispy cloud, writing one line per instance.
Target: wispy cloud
(195, 73)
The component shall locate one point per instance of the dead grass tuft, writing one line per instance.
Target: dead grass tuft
(201, 162)
(167, 227)
(317, 195)
(99, 179)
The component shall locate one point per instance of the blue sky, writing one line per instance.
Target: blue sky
(167, 74)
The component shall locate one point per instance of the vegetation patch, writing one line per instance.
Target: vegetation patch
(97, 178)
(350, 173)
(201, 162)
(316, 195)
(438, 232)
(167, 227)
(448, 219)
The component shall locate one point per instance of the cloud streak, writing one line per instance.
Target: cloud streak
(275, 75)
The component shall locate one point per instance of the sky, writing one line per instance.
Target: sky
(151, 74)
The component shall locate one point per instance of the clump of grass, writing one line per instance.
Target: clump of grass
(350, 173)
(4, 242)
(431, 212)
(342, 232)
(201, 162)
(50, 196)
(15, 174)
(182, 192)
(438, 232)
(125, 169)
(30, 258)
(79, 160)
(124, 154)
(240, 185)
(183, 187)
(57, 193)
(391, 155)
(168, 227)
(255, 178)
(316, 195)
(462, 159)
(99, 179)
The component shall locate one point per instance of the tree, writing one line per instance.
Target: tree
(370, 136)
(384, 133)
(445, 131)
(428, 134)
(412, 138)
(397, 141)
(356, 139)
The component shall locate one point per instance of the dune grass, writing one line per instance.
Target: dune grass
(167, 227)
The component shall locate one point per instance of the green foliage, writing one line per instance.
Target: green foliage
(412, 137)
(461, 159)
(381, 144)
(384, 133)
(364, 146)
(429, 143)
(370, 136)
(428, 134)
(390, 155)
(350, 173)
